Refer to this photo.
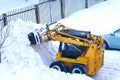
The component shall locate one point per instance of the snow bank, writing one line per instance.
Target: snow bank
(22, 61)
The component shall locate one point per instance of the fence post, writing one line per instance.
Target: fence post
(37, 13)
(62, 2)
(5, 19)
(86, 3)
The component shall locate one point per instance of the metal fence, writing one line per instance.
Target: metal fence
(47, 11)
(73, 6)
(92, 2)
(26, 14)
(50, 11)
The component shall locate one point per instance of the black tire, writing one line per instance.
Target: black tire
(58, 66)
(31, 38)
(105, 46)
(77, 68)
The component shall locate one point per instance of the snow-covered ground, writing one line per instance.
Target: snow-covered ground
(22, 61)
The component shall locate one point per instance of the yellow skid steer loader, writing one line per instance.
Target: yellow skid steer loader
(79, 51)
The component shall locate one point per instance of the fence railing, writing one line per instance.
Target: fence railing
(26, 13)
(48, 11)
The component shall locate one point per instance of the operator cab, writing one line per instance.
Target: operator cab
(71, 50)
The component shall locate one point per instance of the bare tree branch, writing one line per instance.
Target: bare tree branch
(4, 32)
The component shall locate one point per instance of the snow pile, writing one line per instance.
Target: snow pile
(21, 62)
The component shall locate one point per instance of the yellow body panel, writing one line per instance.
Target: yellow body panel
(93, 60)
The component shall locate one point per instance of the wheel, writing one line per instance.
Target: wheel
(105, 46)
(58, 66)
(77, 68)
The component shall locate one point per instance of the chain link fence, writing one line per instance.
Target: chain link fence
(26, 14)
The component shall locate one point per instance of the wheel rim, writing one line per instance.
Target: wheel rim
(56, 67)
(76, 70)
